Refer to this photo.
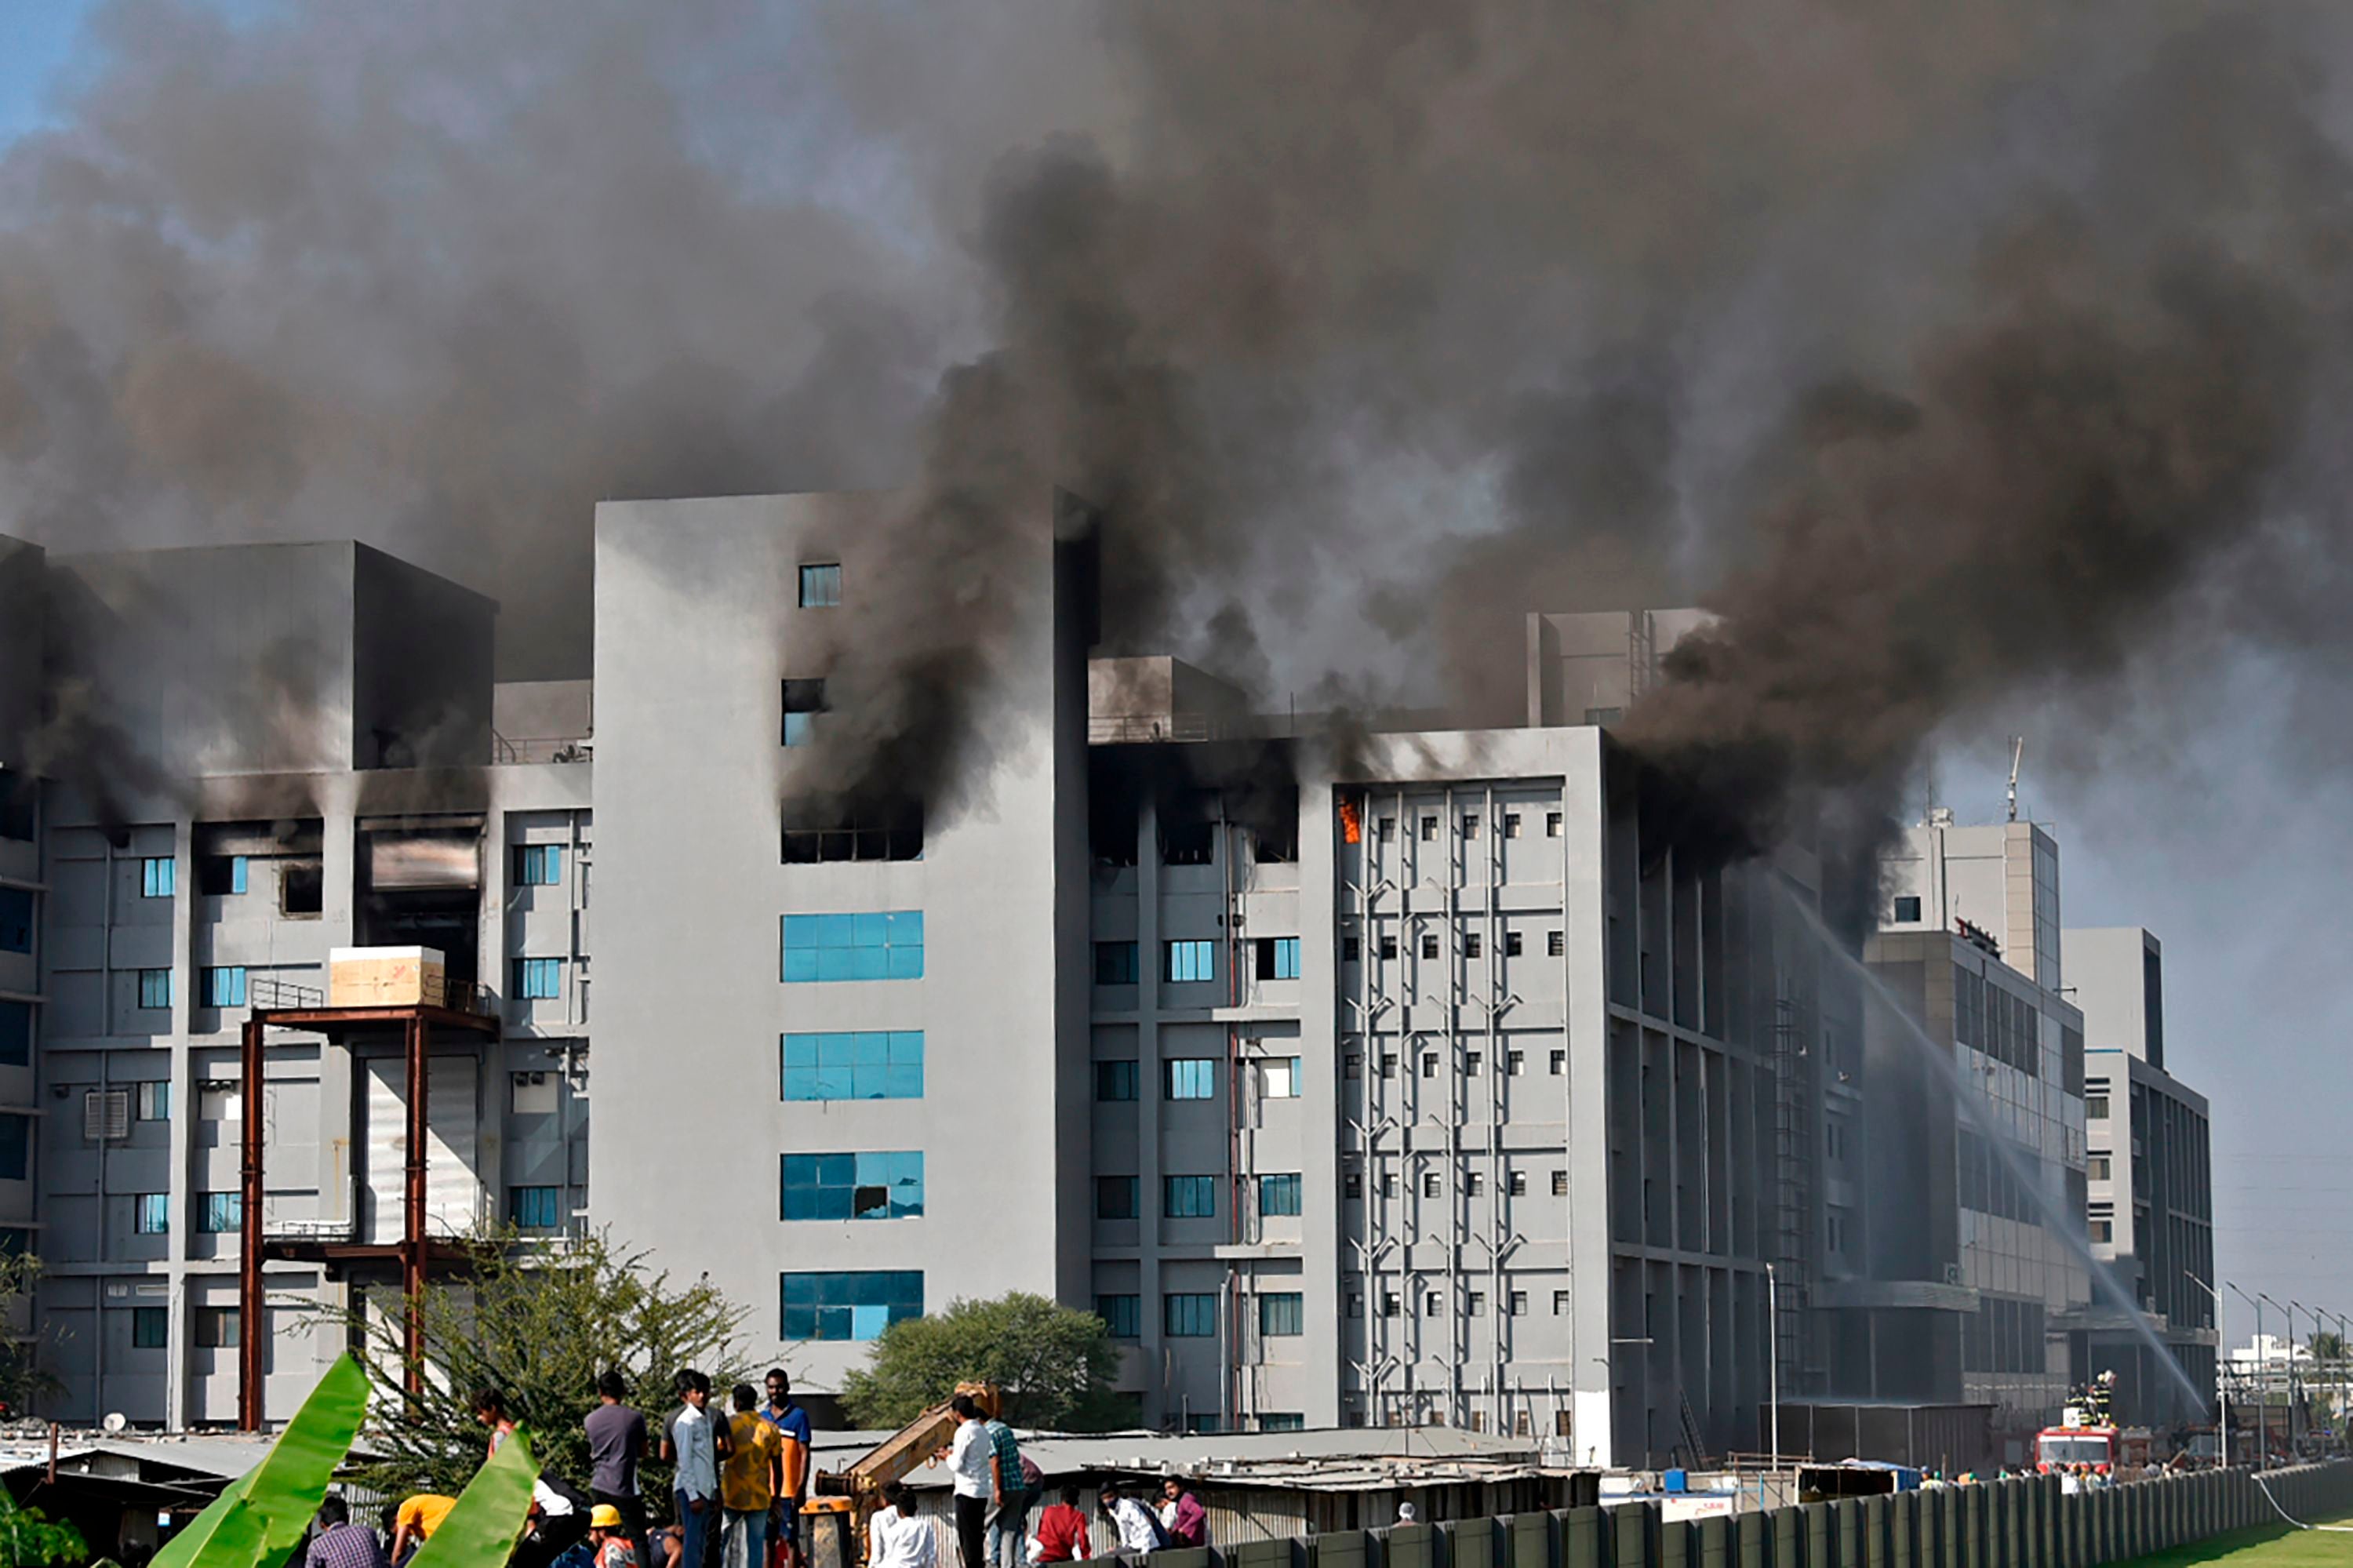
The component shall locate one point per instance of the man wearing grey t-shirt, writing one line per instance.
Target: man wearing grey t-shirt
(617, 1441)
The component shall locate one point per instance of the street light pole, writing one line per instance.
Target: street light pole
(2221, 1396)
(2294, 1308)
(2290, 1422)
(2263, 1389)
(1773, 1340)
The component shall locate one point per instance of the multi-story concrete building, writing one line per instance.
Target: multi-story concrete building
(1435, 1082)
(2151, 1198)
(1974, 1094)
(257, 755)
(1496, 1085)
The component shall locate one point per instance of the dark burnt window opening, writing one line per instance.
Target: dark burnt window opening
(1111, 828)
(1188, 843)
(18, 797)
(888, 834)
(301, 888)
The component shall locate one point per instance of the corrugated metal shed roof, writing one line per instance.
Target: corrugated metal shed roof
(1329, 1459)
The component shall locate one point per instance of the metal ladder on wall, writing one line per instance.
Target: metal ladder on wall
(1695, 1451)
(1793, 1132)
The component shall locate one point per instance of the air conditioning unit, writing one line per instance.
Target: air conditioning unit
(106, 1115)
(1952, 1274)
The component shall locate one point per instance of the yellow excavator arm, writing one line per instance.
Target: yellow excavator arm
(850, 1495)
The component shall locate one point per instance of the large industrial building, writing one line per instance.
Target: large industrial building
(2152, 1193)
(1435, 1083)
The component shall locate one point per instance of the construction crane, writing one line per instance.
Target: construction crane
(841, 1501)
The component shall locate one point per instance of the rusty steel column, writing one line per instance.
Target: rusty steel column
(253, 1332)
(412, 1242)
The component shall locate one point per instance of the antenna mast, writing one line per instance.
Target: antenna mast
(2017, 750)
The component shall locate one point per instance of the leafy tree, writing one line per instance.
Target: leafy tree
(540, 1323)
(24, 1376)
(27, 1539)
(1053, 1363)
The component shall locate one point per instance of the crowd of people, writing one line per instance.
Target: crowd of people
(737, 1485)
(995, 1485)
(739, 1478)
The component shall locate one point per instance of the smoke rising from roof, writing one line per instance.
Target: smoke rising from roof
(1938, 348)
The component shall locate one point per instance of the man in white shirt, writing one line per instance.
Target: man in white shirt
(895, 1537)
(689, 1447)
(968, 1473)
(1138, 1530)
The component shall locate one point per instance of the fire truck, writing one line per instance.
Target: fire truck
(2086, 1435)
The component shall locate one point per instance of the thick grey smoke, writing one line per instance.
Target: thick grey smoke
(2111, 443)
(1417, 314)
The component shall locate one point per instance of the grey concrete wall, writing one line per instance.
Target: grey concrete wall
(24, 593)
(2109, 969)
(697, 624)
(212, 661)
(421, 667)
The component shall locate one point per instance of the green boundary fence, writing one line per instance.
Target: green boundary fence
(2025, 1523)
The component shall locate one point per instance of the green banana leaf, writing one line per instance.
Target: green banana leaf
(482, 1530)
(266, 1511)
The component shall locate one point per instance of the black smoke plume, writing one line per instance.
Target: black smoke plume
(1420, 316)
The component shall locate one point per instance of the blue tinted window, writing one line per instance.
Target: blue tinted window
(154, 987)
(15, 920)
(1188, 1317)
(1281, 1316)
(221, 1212)
(854, 1305)
(1282, 1421)
(864, 1064)
(17, 1033)
(1114, 1080)
(867, 1186)
(1183, 962)
(886, 945)
(538, 979)
(1190, 1077)
(15, 1147)
(1286, 958)
(820, 587)
(152, 1214)
(1189, 1197)
(1122, 1315)
(804, 700)
(157, 874)
(536, 1208)
(1115, 963)
(223, 987)
(1278, 1194)
(539, 865)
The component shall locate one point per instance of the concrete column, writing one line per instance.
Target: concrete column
(1147, 1110)
(177, 1333)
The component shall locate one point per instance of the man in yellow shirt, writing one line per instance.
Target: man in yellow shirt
(748, 1483)
(418, 1517)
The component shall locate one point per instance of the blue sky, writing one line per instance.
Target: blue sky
(36, 40)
